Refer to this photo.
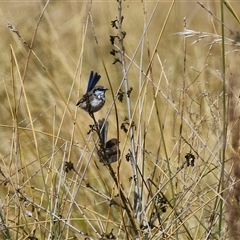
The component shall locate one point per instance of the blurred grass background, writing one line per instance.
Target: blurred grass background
(41, 132)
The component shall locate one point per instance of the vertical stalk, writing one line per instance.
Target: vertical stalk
(131, 131)
(224, 120)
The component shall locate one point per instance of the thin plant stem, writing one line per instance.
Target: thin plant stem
(224, 129)
(131, 132)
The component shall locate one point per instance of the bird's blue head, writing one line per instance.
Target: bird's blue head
(99, 92)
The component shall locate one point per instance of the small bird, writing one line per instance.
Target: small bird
(110, 152)
(94, 99)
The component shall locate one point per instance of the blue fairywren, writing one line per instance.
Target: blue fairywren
(94, 99)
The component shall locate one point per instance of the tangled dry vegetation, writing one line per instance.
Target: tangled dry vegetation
(173, 80)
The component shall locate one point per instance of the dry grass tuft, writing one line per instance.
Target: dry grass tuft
(172, 102)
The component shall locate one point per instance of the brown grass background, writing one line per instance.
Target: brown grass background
(72, 39)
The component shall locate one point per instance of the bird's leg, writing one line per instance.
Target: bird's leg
(91, 114)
